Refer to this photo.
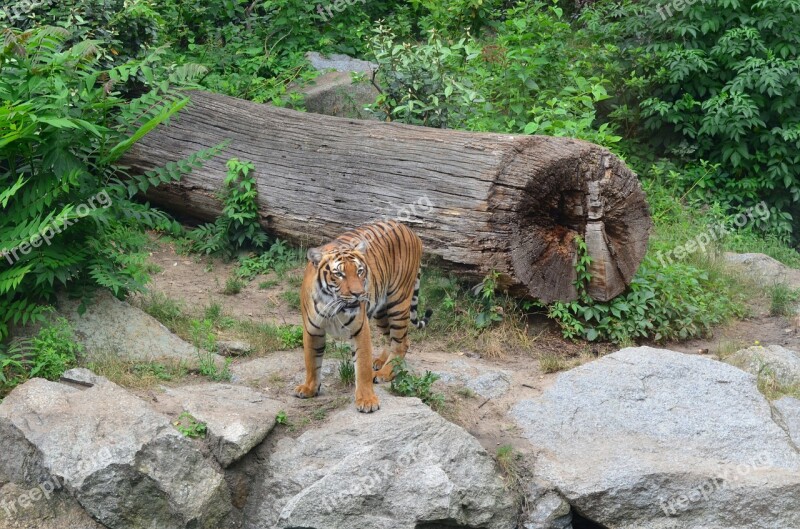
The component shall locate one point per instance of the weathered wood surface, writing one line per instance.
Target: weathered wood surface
(480, 202)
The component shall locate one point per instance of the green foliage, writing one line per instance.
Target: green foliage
(126, 29)
(237, 228)
(233, 285)
(717, 81)
(536, 76)
(486, 291)
(407, 384)
(67, 216)
(291, 336)
(282, 418)
(190, 427)
(279, 258)
(47, 354)
(782, 299)
(347, 368)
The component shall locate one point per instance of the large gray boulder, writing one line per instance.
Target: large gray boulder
(124, 463)
(650, 438)
(402, 468)
(773, 360)
(763, 269)
(110, 327)
(237, 418)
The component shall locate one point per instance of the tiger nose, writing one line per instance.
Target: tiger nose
(357, 292)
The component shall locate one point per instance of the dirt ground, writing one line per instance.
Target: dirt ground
(198, 282)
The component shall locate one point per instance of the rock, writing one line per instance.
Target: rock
(774, 360)
(41, 507)
(335, 94)
(650, 438)
(124, 463)
(547, 509)
(233, 348)
(485, 382)
(82, 377)
(404, 467)
(764, 270)
(788, 409)
(112, 327)
(237, 417)
(339, 62)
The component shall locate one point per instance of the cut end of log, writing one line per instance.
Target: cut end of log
(576, 189)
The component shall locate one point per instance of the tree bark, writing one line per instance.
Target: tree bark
(479, 202)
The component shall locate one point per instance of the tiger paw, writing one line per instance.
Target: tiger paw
(367, 402)
(305, 391)
(385, 374)
(377, 363)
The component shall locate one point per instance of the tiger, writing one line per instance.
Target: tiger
(370, 272)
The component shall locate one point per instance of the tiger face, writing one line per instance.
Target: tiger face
(343, 277)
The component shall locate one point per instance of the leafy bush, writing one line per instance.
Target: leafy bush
(238, 226)
(291, 336)
(48, 354)
(407, 384)
(717, 81)
(279, 258)
(67, 216)
(534, 77)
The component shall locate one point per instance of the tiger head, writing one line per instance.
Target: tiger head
(342, 273)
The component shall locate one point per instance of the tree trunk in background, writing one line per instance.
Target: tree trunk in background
(479, 202)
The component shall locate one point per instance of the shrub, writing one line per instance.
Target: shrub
(535, 77)
(718, 81)
(66, 216)
(238, 226)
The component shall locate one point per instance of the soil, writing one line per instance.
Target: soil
(197, 282)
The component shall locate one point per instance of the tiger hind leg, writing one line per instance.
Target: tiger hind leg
(398, 344)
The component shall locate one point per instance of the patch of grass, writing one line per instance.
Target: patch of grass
(213, 312)
(772, 388)
(190, 427)
(132, 374)
(292, 298)
(169, 312)
(407, 384)
(347, 372)
(233, 286)
(291, 336)
(465, 392)
(207, 366)
(295, 280)
(782, 299)
(510, 463)
(550, 362)
(264, 285)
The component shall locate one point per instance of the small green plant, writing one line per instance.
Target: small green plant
(292, 298)
(282, 418)
(782, 299)
(233, 286)
(490, 311)
(347, 369)
(202, 334)
(407, 384)
(157, 370)
(279, 258)
(510, 463)
(238, 227)
(190, 427)
(207, 366)
(291, 336)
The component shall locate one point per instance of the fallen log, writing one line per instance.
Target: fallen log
(479, 202)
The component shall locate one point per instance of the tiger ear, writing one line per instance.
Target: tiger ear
(314, 256)
(362, 246)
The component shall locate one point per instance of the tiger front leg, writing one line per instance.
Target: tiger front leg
(366, 399)
(314, 349)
